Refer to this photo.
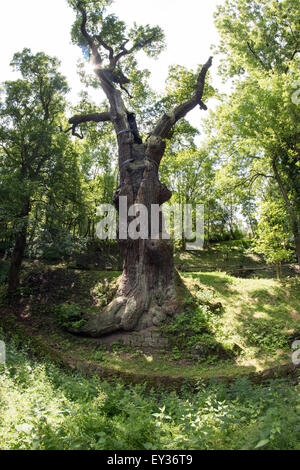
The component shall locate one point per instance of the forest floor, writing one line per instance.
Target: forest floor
(231, 326)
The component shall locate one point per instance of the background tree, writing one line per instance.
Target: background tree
(29, 141)
(258, 125)
(190, 174)
(273, 238)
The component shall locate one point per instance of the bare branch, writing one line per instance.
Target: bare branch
(95, 117)
(108, 48)
(6, 151)
(256, 56)
(80, 118)
(166, 123)
(249, 180)
(73, 129)
(296, 51)
(135, 47)
(123, 48)
(94, 49)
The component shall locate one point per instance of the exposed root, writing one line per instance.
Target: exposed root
(141, 309)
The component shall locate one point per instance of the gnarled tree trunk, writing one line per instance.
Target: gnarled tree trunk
(147, 291)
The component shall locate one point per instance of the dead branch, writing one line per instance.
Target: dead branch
(90, 41)
(81, 118)
(167, 122)
(94, 117)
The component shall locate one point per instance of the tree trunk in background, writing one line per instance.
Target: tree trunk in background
(18, 251)
(297, 241)
(293, 216)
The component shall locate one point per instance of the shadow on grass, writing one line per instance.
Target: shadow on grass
(222, 284)
(281, 302)
(44, 288)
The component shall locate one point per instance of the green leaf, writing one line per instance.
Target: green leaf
(26, 428)
(262, 443)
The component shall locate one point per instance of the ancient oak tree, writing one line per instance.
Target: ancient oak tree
(147, 293)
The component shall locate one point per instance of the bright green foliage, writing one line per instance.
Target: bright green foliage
(65, 181)
(260, 116)
(117, 36)
(115, 33)
(113, 30)
(191, 174)
(69, 315)
(43, 407)
(30, 143)
(256, 129)
(181, 84)
(274, 239)
(258, 34)
(188, 174)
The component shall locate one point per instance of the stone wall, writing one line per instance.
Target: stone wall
(147, 338)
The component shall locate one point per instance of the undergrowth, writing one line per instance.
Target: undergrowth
(45, 407)
(192, 333)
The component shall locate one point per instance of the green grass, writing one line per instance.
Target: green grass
(219, 256)
(260, 316)
(44, 407)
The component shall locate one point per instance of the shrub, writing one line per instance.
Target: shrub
(69, 316)
(4, 268)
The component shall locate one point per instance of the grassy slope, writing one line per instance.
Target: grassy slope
(220, 256)
(259, 320)
(260, 317)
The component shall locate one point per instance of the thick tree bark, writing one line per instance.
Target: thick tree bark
(147, 291)
(19, 250)
(293, 217)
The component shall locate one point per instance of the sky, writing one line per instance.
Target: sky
(44, 25)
